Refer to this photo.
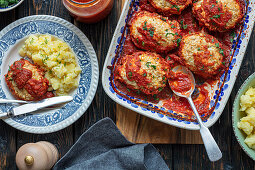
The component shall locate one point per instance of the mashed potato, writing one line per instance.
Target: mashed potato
(56, 57)
(247, 123)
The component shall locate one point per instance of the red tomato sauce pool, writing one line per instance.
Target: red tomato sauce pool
(180, 82)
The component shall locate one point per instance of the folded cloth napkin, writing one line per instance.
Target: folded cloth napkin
(104, 147)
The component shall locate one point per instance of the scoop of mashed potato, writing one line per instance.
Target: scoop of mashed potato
(56, 57)
(247, 123)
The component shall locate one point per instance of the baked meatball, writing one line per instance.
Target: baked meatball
(144, 71)
(26, 81)
(170, 6)
(203, 54)
(150, 31)
(218, 15)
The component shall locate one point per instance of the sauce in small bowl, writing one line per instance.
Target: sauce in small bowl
(89, 11)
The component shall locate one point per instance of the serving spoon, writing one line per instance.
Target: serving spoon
(211, 146)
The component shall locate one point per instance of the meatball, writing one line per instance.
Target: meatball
(218, 15)
(203, 54)
(150, 31)
(144, 71)
(26, 81)
(170, 6)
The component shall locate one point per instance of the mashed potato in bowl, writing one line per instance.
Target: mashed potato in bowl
(57, 58)
(247, 123)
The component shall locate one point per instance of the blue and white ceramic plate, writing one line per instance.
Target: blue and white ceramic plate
(219, 93)
(49, 120)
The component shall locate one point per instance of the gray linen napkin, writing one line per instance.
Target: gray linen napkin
(103, 146)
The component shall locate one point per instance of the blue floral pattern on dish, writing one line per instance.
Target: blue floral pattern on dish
(64, 33)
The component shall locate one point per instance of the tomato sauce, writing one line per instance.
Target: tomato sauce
(23, 78)
(132, 66)
(89, 11)
(180, 82)
(217, 16)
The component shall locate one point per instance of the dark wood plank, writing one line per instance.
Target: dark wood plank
(62, 139)
(7, 146)
(100, 35)
(7, 134)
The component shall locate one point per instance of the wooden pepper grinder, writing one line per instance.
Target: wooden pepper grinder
(36, 156)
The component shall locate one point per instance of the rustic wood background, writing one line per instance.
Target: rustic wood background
(177, 156)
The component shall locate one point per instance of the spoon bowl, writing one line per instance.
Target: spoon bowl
(185, 71)
(211, 146)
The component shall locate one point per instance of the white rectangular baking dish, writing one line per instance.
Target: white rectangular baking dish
(222, 90)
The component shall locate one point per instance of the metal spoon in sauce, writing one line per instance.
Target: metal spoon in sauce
(211, 146)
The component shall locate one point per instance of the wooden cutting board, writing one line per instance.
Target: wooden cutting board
(140, 129)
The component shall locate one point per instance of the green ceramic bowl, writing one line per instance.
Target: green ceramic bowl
(237, 115)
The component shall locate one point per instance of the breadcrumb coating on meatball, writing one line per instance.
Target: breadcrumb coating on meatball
(170, 6)
(144, 71)
(218, 15)
(153, 32)
(203, 54)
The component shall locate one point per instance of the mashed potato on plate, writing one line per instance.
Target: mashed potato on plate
(247, 123)
(57, 58)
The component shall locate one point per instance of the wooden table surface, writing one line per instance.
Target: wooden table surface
(177, 156)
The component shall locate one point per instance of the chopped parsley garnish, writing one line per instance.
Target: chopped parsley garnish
(128, 89)
(213, 5)
(169, 33)
(130, 74)
(164, 78)
(202, 68)
(163, 19)
(216, 16)
(175, 6)
(144, 74)
(160, 89)
(221, 51)
(198, 49)
(185, 26)
(178, 41)
(142, 43)
(148, 64)
(151, 31)
(155, 97)
(217, 45)
(153, 66)
(46, 41)
(31, 41)
(172, 26)
(137, 40)
(145, 25)
(213, 40)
